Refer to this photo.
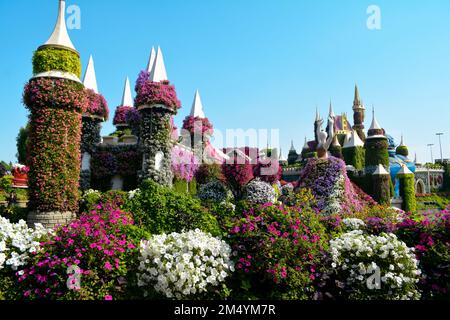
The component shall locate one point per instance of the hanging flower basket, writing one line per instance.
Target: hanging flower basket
(20, 174)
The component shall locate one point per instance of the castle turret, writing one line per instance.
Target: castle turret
(376, 147)
(317, 122)
(358, 115)
(292, 155)
(157, 102)
(381, 185)
(122, 111)
(407, 189)
(402, 149)
(353, 151)
(55, 128)
(96, 112)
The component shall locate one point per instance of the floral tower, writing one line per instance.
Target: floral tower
(353, 151)
(157, 102)
(196, 128)
(122, 112)
(97, 112)
(381, 185)
(407, 189)
(292, 155)
(377, 147)
(56, 100)
(359, 112)
(402, 149)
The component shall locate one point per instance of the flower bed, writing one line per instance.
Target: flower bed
(184, 265)
(97, 105)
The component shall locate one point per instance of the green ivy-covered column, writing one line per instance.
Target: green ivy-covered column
(381, 186)
(90, 138)
(407, 190)
(377, 152)
(56, 100)
(156, 145)
(354, 156)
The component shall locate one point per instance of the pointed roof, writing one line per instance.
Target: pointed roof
(354, 141)
(317, 114)
(158, 72)
(197, 107)
(306, 146)
(292, 146)
(348, 136)
(60, 36)
(151, 60)
(331, 113)
(404, 170)
(402, 143)
(90, 79)
(357, 98)
(380, 171)
(127, 98)
(375, 125)
(336, 142)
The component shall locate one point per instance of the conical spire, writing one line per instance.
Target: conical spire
(127, 99)
(292, 145)
(331, 113)
(197, 107)
(305, 146)
(357, 98)
(404, 170)
(317, 114)
(354, 141)
(380, 171)
(90, 80)
(336, 142)
(375, 125)
(402, 143)
(60, 36)
(151, 60)
(158, 72)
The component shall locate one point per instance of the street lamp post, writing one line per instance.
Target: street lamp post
(440, 146)
(431, 150)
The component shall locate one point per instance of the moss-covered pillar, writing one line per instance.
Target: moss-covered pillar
(90, 138)
(377, 152)
(407, 189)
(381, 181)
(354, 156)
(56, 100)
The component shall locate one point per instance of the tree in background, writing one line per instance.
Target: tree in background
(22, 141)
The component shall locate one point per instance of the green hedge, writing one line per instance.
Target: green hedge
(408, 192)
(354, 156)
(56, 59)
(402, 150)
(382, 189)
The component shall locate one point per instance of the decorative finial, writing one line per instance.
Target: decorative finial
(90, 79)
(197, 107)
(127, 99)
(158, 72)
(60, 36)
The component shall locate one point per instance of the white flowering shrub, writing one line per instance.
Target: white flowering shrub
(181, 265)
(133, 193)
(259, 192)
(215, 191)
(353, 224)
(17, 241)
(375, 267)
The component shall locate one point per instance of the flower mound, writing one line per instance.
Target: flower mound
(259, 192)
(328, 180)
(215, 191)
(17, 242)
(95, 247)
(180, 265)
(151, 93)
(97, 105)
(358, 258)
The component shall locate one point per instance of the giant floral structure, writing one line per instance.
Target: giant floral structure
(56, 100)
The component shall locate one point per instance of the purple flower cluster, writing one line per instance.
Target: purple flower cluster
(184, 163)
(151, 93)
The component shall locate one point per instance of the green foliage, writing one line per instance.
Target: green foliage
(14, 213)
(6, 183)
(163, 210)
(433, 201)
(382, 189)
(21, 142)
(56, 59)
(208, 172)
(377, 152)
(182, 186)
(402, 150)
(408, 192)
(354, 157)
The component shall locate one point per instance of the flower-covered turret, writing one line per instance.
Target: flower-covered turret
(358, 115)
(377, 147)
(56, 100)
(157, 102)
(353, 151)
(126, 106)
(402, 149)
(96, 112)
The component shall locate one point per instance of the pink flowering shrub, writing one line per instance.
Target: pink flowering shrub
(98, 249)
(184, 163)
(429, 234)
(151, 93)
(200, 126)
(97, 105)
(277, 251)
(120, 117)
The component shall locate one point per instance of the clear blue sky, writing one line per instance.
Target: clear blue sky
(257, 63)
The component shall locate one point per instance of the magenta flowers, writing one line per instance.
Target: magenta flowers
(151, 93)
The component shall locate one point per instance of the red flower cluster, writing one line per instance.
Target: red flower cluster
(97, 105)
(151, 93)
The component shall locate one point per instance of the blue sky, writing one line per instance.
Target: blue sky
(257, 63)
